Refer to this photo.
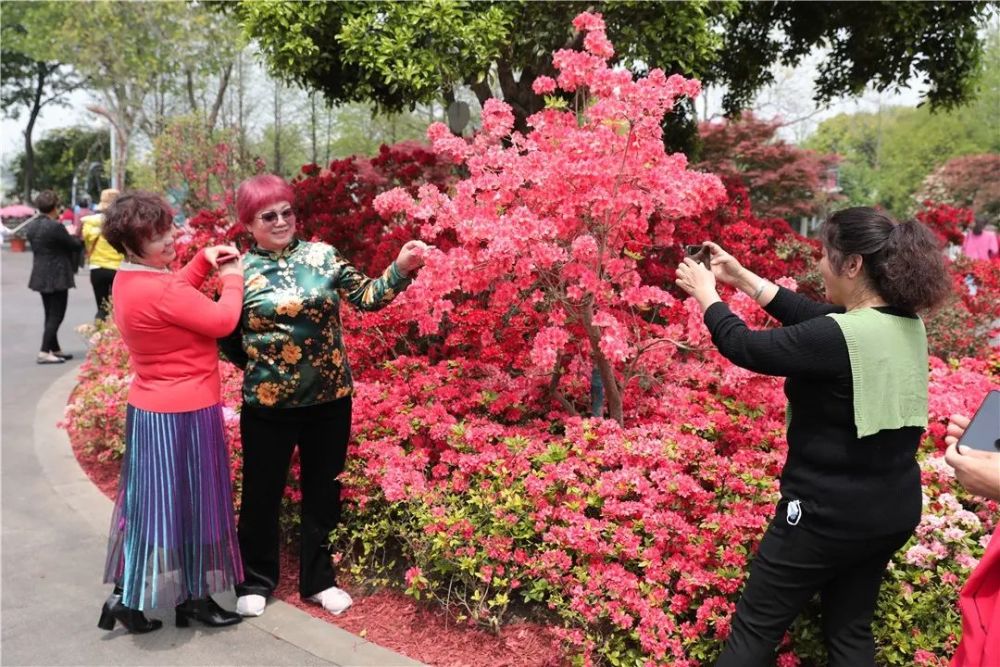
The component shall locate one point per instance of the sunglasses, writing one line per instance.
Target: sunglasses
(271, 217)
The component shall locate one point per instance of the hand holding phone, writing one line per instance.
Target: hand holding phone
(218, 255)
(983, 432)
(700, 253)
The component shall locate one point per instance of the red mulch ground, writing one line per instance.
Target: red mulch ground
(391, 619)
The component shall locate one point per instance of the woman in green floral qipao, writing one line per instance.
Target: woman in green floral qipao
(297, 386)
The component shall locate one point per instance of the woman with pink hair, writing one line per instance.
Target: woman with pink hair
(297, 386)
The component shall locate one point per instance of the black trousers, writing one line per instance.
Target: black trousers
(269, 438)
(55, 311)
(791, 566)
(101, 280)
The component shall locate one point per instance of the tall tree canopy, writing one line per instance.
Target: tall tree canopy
(29, 81)
(884, 44)
(888, 153)
(138, 56)
(400, 54)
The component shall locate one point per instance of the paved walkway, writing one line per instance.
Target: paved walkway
(54, 531)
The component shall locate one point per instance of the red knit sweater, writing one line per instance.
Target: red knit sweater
(170, 329)
(980, 605)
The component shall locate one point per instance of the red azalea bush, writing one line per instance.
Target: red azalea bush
(336, 203)
(784, 180)
(766, 246)
(947, 221)
(478, 479)
(968, 323)
(972, 181)
(198, 167)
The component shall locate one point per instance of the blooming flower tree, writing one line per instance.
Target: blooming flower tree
(552, 220)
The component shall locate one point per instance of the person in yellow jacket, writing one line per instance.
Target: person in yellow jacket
(104, 259)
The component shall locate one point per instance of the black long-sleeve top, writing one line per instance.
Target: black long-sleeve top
(848, 487)
(54, 256)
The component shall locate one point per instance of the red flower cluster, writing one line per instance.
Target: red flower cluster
(947, 221)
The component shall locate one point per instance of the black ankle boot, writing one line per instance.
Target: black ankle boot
(206, 611)
(133, 619)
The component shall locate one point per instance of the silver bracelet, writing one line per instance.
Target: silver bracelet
(760, 289)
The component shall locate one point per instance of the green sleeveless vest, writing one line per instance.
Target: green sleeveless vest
(890, 369)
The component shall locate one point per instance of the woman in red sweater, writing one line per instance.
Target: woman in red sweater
(173, 539)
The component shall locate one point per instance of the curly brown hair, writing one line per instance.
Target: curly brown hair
(136, 217)
(902, 261)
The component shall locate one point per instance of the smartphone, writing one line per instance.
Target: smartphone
(983, 432)
(700, 253)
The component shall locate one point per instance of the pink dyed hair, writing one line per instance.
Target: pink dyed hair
(259, 192)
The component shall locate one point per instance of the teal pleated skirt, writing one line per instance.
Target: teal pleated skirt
(173, 534)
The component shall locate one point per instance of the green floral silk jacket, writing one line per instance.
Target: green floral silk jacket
(289, 341)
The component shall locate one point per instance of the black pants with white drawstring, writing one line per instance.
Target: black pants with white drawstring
(792, 565)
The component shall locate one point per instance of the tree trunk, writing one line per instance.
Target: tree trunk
(189, 75)
(612, 391)
(220, 95)
(277, 127)
(482, 91)
(241, 125)
(42, 72)
(329, 126)
(312, 125)
(518, 93)
(121, 148)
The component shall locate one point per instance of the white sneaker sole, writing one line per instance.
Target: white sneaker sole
(336, 611)
(251, 608)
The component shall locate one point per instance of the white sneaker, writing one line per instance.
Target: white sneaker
(48, 358)
(334, 600)
(250, 605)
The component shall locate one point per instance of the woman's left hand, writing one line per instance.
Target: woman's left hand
(411, 256)
(225, 253)
(978, 472)
(956, 427)
(699, 282)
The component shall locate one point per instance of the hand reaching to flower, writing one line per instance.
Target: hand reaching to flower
(699, 282)
(411, 256)
(977, 471)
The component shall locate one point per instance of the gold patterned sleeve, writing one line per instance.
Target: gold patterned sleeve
(367, 293)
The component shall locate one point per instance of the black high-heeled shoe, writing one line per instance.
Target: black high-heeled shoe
(134, 620)
(206, 611)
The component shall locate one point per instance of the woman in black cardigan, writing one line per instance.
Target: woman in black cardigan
(53, 265)
(857, 378)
